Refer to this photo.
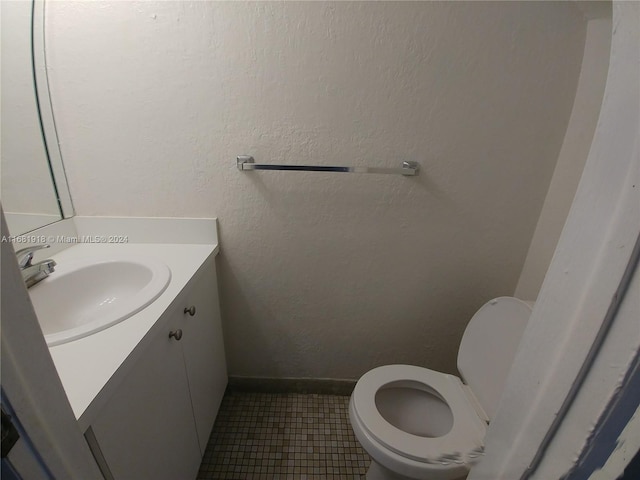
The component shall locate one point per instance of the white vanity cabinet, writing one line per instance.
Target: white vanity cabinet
(203, 350)
(146, 429)
(157, 422)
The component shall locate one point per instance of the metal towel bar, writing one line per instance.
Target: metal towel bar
(247, 162)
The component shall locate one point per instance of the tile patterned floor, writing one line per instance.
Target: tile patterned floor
(283, 436)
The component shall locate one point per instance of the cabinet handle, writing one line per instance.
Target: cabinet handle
(191, 310)
(177, 334)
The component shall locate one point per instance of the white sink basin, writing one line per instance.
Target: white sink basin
(89, 295)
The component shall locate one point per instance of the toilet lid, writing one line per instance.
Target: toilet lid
(488, 347)
(465, 437)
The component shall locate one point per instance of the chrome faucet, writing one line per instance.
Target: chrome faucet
(32, 274)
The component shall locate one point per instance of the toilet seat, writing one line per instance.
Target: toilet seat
(458, 446)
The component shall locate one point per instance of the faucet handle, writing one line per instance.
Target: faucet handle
(25, 255)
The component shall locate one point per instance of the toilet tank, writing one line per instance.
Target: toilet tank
(488, 347)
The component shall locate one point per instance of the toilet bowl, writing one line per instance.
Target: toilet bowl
(421, 424)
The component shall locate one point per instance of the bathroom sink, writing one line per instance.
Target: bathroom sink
(89, 295)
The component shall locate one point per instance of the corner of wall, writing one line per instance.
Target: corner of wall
(572, 157)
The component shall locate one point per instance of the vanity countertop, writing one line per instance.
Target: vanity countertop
(92, 367)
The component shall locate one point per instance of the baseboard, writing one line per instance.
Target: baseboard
(324, 386)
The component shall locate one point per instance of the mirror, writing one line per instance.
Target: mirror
(33, 188)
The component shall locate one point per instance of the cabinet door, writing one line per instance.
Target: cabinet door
(146, 429)
(203, 348)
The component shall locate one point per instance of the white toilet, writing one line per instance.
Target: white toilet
(417, 423)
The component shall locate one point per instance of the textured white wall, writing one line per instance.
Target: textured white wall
(573, 155)
(325, 275)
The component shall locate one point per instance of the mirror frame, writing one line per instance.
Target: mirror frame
(45, 110)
